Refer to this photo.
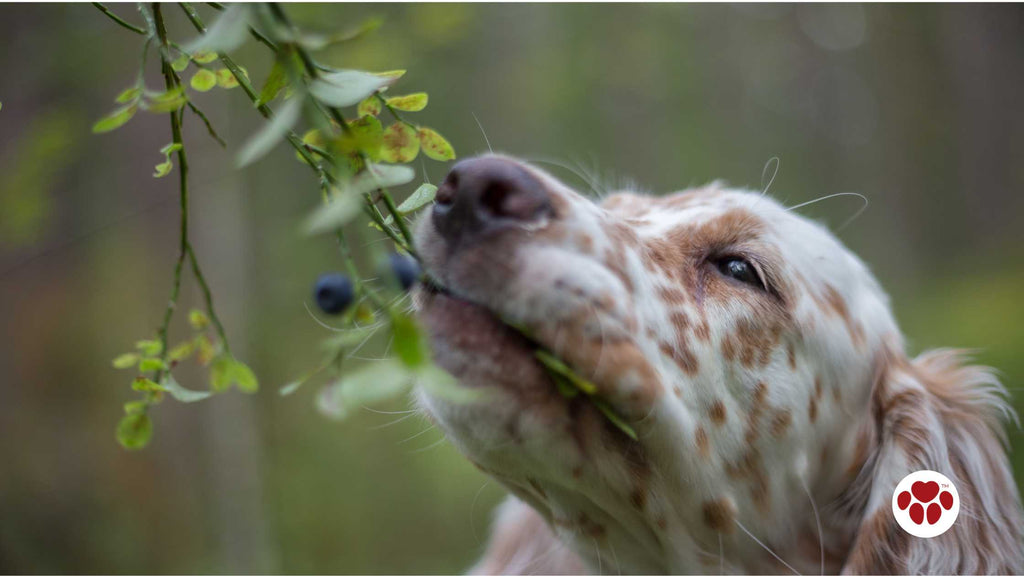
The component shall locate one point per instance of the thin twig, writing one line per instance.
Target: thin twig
(118, 19)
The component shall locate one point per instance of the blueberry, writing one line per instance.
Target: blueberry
(406, 269)
(333, 292)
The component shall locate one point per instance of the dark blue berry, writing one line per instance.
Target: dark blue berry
(406, 269)
(334, 292)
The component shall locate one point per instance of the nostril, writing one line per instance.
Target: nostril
(495, 199)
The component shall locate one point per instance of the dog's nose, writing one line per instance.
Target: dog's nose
(481, 195)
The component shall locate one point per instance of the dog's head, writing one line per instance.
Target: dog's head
(746, 346)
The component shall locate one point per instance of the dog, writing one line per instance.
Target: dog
(755, 357)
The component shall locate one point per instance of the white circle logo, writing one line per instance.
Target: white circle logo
(925, 504)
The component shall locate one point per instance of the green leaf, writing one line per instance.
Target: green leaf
(128, 95)
(348, 87)
(181, 351)
(115, 119)
(409, 343)
(341, 209)
(182, 394)
(226, 371)
(371, 106)
(320, 41)
(204, 349)
(421, 197)
(443, 385)
(125, 361)
(149, 347)
(225, 79)
(228, 32)
(272, 133)
(409, 103)
(383, 176)
(162, 169)
(434, 145)
(276, 81)
(134, 431)
(400, 144)
(382, 380)
(168, 101)
(203, 80)
(555, 365)
(365, 135)
(171, 148)
(152, 365)
(204, 56)
(198, 319)
(181, 62)
(135, 407)
(565, 388)
(143, 384)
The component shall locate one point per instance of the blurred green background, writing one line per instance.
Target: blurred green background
(917, 107)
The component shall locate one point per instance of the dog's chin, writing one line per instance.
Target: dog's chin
(477, 347)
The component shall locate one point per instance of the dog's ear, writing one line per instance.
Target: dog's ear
(522, 543)
(937, 413)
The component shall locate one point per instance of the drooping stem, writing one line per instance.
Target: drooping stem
(171, 81)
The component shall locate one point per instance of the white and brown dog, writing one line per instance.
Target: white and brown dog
(756, 358)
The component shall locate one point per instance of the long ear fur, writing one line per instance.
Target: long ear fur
(938, 413)
(522, 543)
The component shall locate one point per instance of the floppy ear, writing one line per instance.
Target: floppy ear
(522, 543)
(937, 413)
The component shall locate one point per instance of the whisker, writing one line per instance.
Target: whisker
(774, 163)
(769, 550)
(392, 423)
(481, 126)
(817, 521)
(418, 434)
(837, 194)
(431, 447)
(472, 508)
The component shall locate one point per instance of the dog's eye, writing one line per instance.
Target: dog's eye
(740, 269)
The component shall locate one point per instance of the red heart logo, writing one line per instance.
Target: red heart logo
(925, 491)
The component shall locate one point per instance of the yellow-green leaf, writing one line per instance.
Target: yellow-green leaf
(225, 79)
(151, 365)
(182, 351)
(180, 63)
(128, 95)
(409, 103)
(134, 431)
(198, 319)
(203, 80)
(421, 197)
(400, 144)
(409, 343)
(115, 119)
(162, 169)
(370, 106)
(143, 384)
(277, 80)
(125, 361)
(204, 56)
(149, 347)
(434, 145)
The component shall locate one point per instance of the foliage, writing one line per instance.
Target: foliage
(356, 160)
(344, 146)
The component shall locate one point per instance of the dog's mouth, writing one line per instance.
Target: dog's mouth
(515, 358)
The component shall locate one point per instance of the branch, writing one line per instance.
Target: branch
(118, 19)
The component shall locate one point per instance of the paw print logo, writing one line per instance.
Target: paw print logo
(925, 504)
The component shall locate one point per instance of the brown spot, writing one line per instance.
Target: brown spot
(780, 423)
(701, 437)
(678, 391)
(759, 493)
(717, 412)
(837, 394)
(638, 498)
(791, 355)
(720, 515)
(817, 387)
(812, 409)
(662, 522)
(702, 330)
(577, 472)
(591, 528)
